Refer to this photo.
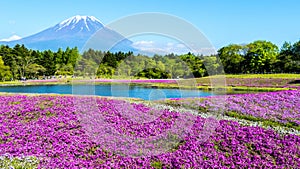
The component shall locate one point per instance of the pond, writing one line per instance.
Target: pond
(123, 90)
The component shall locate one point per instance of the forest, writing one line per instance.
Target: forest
(256, 57)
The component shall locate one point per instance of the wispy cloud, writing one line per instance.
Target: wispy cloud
(12, 38)
(151, 47)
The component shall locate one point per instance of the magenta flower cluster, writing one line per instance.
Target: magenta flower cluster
(282, 106)
(138, 80)
(169, 81)
(261, 82)
(61, 133)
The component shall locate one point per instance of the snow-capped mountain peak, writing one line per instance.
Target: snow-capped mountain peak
(74, 31)
(85, 23)
(77, 18)
(94, 19)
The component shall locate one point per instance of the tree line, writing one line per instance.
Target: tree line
(260, 57)
(120, 64)
(20, 62)
(256, 57)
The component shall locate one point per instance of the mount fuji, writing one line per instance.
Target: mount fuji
(72, 32)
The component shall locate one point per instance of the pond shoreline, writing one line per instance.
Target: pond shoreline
(147, 83)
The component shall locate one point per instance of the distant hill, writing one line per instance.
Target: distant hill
(71, 32)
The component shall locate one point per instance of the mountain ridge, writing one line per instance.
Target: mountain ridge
(72, 32)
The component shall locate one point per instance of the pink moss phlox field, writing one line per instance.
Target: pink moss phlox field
(166, 81)
(50, 128)
(138, 80)
(282, 106)
(260, 82)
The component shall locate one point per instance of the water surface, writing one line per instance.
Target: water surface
(145, 93)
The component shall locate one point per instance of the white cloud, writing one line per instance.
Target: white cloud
(180, 45)
(170, 44)
(143, 44)
(151, 47)
(12, 38)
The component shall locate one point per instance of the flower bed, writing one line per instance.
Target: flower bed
(282, 106)
(253, 82)
(261, 82)
(63, 133)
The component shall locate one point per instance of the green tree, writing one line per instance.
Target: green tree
(49, 62)
(161, 66)
(295, 59)
(153, 73)
(62, 69)
(5, 72)
(73, 57)
(59, 57)
(232, 57)
(34, 70)
(261, 56)
(105, 71)
(195, 64)
(9, 59)
(23, 58)
(123, 70)
(212, 65)
(285, 59)
(110, 60)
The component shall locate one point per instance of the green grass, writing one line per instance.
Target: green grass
(221, 89)
(19, 163)
(10, 82)
(207, 80)
(256, 89)
(265, 122)
(157, 164)
(280, 75)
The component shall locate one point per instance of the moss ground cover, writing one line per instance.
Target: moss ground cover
(279, 75)
(257, 81)
(55, 131)
(8, 162)
(280, 108)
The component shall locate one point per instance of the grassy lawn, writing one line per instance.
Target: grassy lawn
(281, 75)
(249, 81)
(245, 82)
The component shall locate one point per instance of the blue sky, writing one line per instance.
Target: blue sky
(221, 21)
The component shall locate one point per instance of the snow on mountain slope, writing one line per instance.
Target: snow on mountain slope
(82, 23)
(74, 31)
